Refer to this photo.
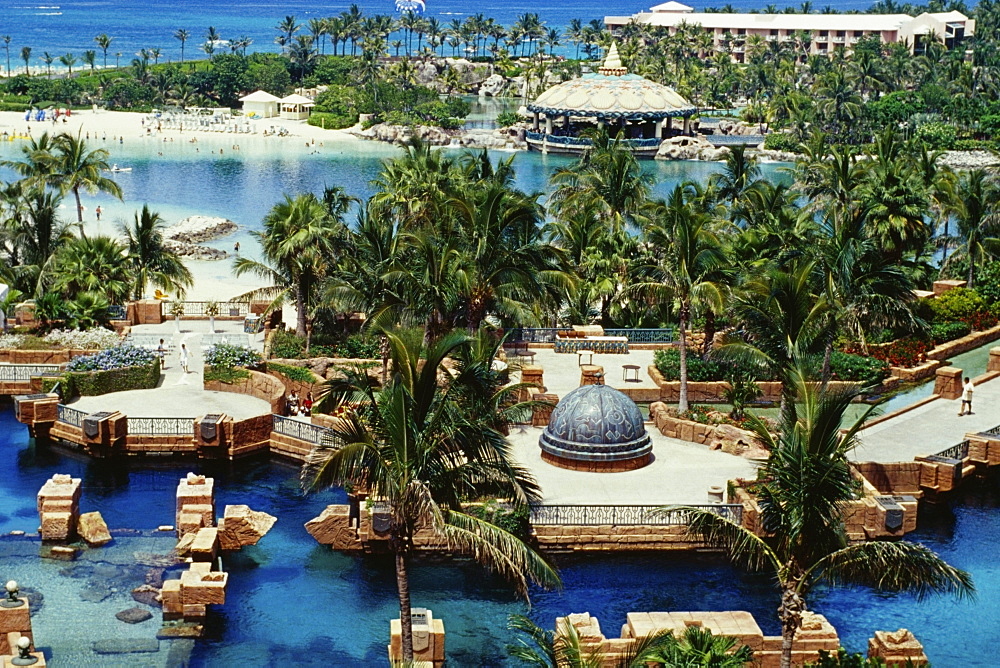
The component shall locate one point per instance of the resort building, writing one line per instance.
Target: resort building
(642, 110)
(823, 33)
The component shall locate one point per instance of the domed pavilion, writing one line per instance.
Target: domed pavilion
(596, 428)
(641, 109)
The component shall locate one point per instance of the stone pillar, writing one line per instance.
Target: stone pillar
(687, 125)
(591, 374)
(532, 377)
(105, 433)
(195, 504)
(941, 287)
(600, 124)
(994, 362)
(659, 128)
(428, 638)
(948, 382)
(540, 414)
(149, 312)
(37, 411)
(16, 622)
(534, 121)
(59, 507)
(213, 435)
(897, 648)
(548, 124)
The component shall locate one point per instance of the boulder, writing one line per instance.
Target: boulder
(333, 528)
(93, 529)
(134, 615)
(242, 526)
(147, 595)
(426, 73)
(493, 86)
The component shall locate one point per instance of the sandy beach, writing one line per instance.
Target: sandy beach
(111, 129)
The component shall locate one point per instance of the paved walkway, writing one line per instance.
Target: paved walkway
(929, 429)
(562, 370)
(182, 394)
(680, 473)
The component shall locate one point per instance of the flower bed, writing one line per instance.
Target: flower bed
(232, 356)
(97, 338)
(119, 357)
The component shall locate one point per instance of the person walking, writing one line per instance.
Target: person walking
(161, 352)
(967, 390)
(184, 358)
(98, 212)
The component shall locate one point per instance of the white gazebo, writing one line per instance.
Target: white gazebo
(296, 107)
(261, 103)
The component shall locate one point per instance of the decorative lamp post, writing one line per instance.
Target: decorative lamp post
(24, 657)
(12, 601)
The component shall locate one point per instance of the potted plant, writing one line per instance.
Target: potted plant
(177, 310)
(212, 309)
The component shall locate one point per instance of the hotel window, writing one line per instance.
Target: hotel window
(841, 33)
(859, 33)
(774, 32)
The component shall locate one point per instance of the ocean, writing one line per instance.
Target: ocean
(61, 26)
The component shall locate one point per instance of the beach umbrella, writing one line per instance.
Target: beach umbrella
(416, 6)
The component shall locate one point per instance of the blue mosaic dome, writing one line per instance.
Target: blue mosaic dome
(596, 423)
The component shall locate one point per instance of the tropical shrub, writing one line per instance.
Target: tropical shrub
(844, 660)
(779, 141)
(512, 520)
(505, 119)
(956, 304)
(936, 135)
(988, 283)
(119, 357)
(230, 355)
(138, 372)
(948, 331)
(225, 374)
(296, 373)
(286, 345)
(668, 363)
(905, 353)
(858, 368)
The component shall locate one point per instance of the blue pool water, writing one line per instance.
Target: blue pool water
(288, 597)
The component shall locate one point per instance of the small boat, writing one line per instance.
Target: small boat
(116, 169)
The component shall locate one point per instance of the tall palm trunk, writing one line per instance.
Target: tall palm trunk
(790, 613)
(827, 356)
(405, 620)
(79, 205)
(300, 309)
(682, 400)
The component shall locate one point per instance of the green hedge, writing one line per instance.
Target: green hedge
(948, 331)
(94, 383)
(843, 366)
(329, 121)
(858, 368)
(700, 371)
(779, 141)
(225, 374)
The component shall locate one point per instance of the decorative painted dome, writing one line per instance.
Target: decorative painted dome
(612, 93)
(596, 424)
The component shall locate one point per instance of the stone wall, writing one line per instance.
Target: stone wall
(726, 437)
(893, 478)
(969, 342)
(713, 392)
(250, 435)
(258, 385)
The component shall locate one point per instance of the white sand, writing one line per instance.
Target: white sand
(213, 280)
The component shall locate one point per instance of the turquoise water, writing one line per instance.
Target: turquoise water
(61, 25)
(288, 597)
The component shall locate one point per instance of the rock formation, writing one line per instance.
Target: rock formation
(59, 507)
(242, 526)
(93, 529)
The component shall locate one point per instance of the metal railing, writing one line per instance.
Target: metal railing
(19, 372)
(304, 431)
(549, 334)
(149, 340)
(161, 426)
(197, 309)
(959, 451)
(993, 431)
(582, 141)
(69, 415)
(627, 515)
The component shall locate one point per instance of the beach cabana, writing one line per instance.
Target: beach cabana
(261, 103)
(296, 107)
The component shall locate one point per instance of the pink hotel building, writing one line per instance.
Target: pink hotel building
(827, 31)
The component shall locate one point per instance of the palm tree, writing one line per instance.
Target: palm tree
(808, 483)
(48, 59)
(26, 56)
(78, 168)
(411, 445)
(564, 648)
(299, 239)
(182, 36)
(740, 173)
(684, 258)
(287, 27)
(7, 304)
(90, 58)
(69, 60)
(104, 43)
(150, 260)
(977, 221)
(6, 46)
(95, 264)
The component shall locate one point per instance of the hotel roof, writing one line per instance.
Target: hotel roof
(788, 22)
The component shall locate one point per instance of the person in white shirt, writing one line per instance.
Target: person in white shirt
(966, 397)
(184, 358)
